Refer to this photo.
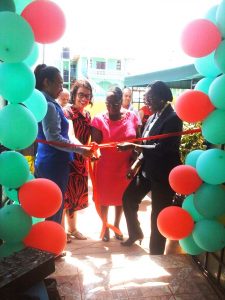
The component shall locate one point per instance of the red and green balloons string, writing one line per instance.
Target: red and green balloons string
(22, 223)
(201, 179)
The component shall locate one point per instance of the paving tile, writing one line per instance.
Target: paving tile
(168, 297)
(66, 266)
(96, 270)
(152, 290)
(196, 296)
(69, 287)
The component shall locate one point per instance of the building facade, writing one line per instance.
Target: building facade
(101, 72)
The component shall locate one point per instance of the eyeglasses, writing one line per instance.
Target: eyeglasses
(82, 95)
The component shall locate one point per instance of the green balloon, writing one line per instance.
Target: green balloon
(14, 169)
(15, 224)
(11, 193)
(211, 14)
(10, 248)
(37, 104)
(189, 246)
(7, 5)
(192, 157)
(33, 56)
(209, 200)
(37, 220)
(217, 92)
(219, 56)
(203, 85)
(209, 235)
(206, 66)
(21, 4)
(30, 177)
(188, 205)
(211, 166)
(13, 49)
(220, 18)
(213, 127)
(17, 82)
(18, 127)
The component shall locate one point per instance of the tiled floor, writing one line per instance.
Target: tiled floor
(98, 270)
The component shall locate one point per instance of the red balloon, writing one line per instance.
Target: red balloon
(193, 106)
(46, 19)
(40, 197)
(48, 236)
(184, 179)
(200, 37)
(175, 223)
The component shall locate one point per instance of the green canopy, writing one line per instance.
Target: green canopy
(184, 77)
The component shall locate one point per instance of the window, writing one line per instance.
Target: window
(118, 64)
(65, 75)
(66, 53)
(100, 65)
(73, 70)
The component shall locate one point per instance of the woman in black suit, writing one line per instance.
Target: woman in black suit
(157, 159)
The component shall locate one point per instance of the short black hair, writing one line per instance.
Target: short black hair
(161, 90)
(117, 92)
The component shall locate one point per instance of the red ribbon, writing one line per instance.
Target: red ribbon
(95, 147)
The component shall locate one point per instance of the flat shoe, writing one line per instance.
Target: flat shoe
(119, 236)
(106, 236)
(77, 235)
(68, 239)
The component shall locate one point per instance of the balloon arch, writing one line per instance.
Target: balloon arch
(198, 225)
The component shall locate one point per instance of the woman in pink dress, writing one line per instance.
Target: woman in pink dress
(110, 170)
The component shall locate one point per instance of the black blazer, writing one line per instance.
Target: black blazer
(158, 162)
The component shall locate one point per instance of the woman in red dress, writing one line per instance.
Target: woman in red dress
(76, 196)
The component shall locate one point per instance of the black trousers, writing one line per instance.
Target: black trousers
(162, 196)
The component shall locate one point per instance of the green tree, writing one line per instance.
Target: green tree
(190, 142)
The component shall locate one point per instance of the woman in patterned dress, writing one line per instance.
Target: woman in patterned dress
(76, 196)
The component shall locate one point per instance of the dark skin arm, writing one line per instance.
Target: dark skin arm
(96, 136)
(134, 168)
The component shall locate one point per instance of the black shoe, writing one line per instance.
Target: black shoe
(119, 236)
(129, 242)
